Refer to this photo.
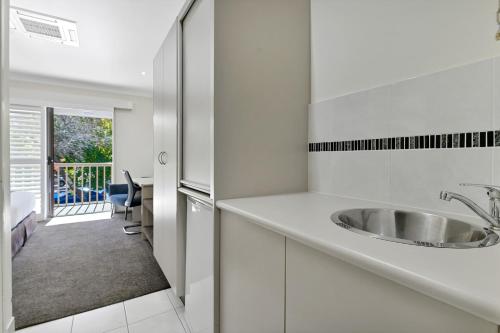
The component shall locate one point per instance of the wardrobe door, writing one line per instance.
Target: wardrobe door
(168, 234)
(197, 64)
(159, 148)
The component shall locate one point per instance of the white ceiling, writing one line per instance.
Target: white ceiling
(118, 41)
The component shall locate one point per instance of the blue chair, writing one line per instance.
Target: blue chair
(125, 195)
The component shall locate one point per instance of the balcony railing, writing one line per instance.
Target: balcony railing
(81, 184)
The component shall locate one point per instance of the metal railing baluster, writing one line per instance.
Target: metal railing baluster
(58, 188)
(97, 184)
(82, 198)
(66, 185)
(74, 185)
(86, 170)
(104, 186)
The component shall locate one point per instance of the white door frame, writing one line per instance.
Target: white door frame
(6, 319)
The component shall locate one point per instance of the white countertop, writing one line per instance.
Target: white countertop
(468, 279)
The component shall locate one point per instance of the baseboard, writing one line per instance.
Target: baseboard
(11, 326)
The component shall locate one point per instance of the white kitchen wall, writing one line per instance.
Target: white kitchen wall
(133, 119)
(462, 99)
(361, 44)
(400, 68)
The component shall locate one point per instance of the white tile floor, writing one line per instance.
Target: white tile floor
(157, 312)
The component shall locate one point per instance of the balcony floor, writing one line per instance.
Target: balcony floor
(81, 209)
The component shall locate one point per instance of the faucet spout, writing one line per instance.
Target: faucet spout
(448, 196)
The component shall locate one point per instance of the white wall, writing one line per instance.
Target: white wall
(133, 147)
(133, 119)
(403, 68)
(361, 44)
(6, 319)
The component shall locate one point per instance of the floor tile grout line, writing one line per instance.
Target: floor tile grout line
(151, 316)
(170, 298)
(126, 318)
(125, 311)
(173, 308)
(186, 329)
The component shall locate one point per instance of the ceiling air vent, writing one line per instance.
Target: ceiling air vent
(43, 26)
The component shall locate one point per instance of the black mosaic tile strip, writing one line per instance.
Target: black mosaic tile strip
(432, 141)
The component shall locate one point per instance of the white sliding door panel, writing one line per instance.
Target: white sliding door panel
(168, 244)
(197, 95)
(27, 133)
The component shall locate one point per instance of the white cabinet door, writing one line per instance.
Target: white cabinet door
(197, 64)
(252, 277)
(325, 294)
(168, 233)
(199, 305)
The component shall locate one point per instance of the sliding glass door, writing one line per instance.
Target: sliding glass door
(80, 151)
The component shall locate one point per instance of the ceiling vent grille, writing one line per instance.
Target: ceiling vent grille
(43, 26)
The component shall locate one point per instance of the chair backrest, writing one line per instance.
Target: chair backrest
(133, 188)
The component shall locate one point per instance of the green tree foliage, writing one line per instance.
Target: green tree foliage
(82, 139)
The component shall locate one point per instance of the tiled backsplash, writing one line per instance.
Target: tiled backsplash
(432, 141)
(405, 142)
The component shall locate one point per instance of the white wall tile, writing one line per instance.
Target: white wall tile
(456, 100)
(496, 166)
(496, 93)
(361, 174)
(320, 122)
(320, 173)
(418, 177)
(462, 99)
(362, 115)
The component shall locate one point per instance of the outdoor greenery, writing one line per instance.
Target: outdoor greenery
(83, 140)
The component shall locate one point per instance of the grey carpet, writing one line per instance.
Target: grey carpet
(72, 268)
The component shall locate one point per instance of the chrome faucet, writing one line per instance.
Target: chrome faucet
(493, 192)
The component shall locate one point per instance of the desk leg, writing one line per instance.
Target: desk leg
(146, 216)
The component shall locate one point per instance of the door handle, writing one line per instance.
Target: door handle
(162, 158)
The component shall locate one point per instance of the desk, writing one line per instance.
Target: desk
(146, 212)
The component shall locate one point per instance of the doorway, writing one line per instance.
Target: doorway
(80, 158)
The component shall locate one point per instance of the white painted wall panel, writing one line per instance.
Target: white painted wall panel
(361, 44)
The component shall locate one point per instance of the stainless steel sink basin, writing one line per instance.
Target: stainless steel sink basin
(414, 228)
